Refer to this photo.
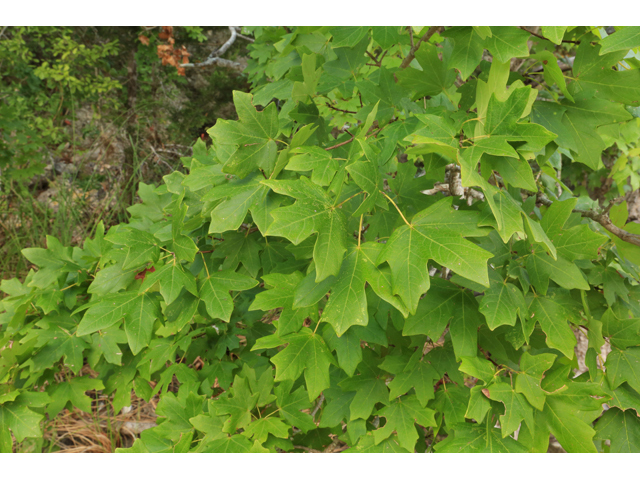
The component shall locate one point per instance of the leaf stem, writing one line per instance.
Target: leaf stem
(352, 196)
(205, 265)
(394, 204)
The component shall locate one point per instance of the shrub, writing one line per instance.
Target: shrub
(383, 254)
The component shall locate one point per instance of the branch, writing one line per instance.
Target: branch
(412, 53)
(244, 37)
(452, 185)
(602, 218)
(315, 410)
(214, 58)
(339, 109)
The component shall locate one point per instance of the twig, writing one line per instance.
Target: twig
(339, 109)
(159, 158)
(577, 42)
(244, 37)
(2, 31)
(307, 449)
(214, 57)
(412, 53)
(601, 218)
(352, 139)
(317, 407)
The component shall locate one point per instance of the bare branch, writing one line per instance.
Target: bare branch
(412, 53)
(317, 407)
(452, 185)
(214, 58)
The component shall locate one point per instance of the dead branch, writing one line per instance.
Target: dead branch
(215, 59)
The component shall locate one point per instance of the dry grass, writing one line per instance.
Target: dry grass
(99, 431)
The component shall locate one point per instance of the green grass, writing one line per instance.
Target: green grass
(25, 222)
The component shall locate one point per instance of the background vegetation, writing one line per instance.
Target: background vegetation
(88, 112)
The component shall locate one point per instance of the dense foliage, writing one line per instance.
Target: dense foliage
(393, 249)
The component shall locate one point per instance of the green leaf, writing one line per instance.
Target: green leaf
(306, 352)
(17, 418)
(621, 428)
(314, 212)
(552, 72)
(501, 303)
(468, 438)
(452, 401)
(478, 367)
(507, 42)
(434, 78)
(528, 380)
(622, 332)
(253, 135)
(140, 315)
(502, 121)
(444, 303)
(367, 444)
(574, 434)
(214, 292)
(316, 160)
(402, 416)
(260, 429)
(282, 295)
(238, 197)
(386, 36)
(291, 404)
(516, 408)
(624, 366)
(370, 390)
(72, 392)
(435, 233)
(542, 267)
(479, 405)
(553, 313)
(172, 279)
(467, 49)
(623, 39)
(142, 247)
(420, 376)
(238, 407)
(555, 34)
(348, 36)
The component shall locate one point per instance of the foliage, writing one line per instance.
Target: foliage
(307, 285)
(43, 69)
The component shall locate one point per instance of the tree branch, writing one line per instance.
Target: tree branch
(214, 57)
(602, 218)
(338, 109)
(412, 53)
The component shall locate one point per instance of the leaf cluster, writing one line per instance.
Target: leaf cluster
(308, 286)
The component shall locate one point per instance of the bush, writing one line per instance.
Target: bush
(383, 254)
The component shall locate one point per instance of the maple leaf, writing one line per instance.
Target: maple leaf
(214, 291)
(314, 212)
(435, 233)
(252, 138)
(478, 439)
(402, 416)
(306, 352)
(73, 392)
